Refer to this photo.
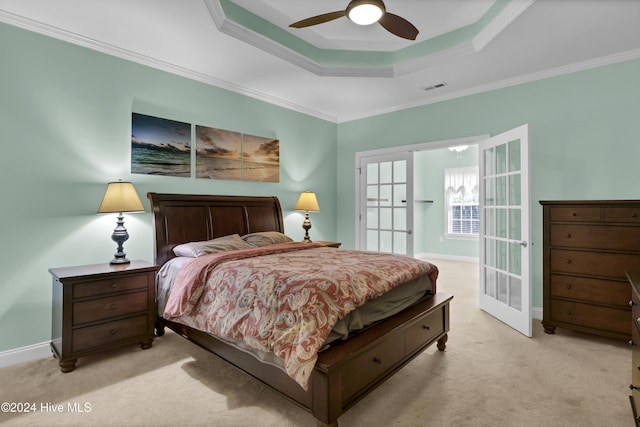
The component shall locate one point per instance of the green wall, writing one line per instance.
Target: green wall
(429, 232)
(65, 126)
(584, 139)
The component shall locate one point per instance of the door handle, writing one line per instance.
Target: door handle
(523, 243)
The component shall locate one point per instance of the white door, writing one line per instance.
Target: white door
(505, 247)
(386, 203)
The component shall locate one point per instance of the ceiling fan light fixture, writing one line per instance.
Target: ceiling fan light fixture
(365, 12)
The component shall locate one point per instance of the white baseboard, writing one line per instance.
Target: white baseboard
(446, 257)
(536, 312)
(25, 354)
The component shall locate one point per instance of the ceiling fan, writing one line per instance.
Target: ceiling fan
(366, 12)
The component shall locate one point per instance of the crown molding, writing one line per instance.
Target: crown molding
(527, 78)
(497, 25)
(109, 49)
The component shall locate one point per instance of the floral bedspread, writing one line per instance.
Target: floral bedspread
(284, 298)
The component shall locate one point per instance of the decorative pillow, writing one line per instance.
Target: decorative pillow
(221, 244)
(265, 238)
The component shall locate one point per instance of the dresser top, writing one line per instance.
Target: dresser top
(590, 202)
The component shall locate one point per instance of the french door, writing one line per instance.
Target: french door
(386, 203)
(505, 252)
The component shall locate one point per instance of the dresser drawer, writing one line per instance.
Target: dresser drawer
(592, 290)
(623, 214)
(109, 307)
(108, 333)
(595, 237)
(576, 213)
(423, 331)
(591, 316)
(593, 263)
(370, 365)
(109, 286)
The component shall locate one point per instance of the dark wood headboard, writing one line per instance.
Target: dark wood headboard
(182, 218)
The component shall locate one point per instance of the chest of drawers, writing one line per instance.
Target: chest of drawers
(588, 247)
(99, 307)
(634, 281)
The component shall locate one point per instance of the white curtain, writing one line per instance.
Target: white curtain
(462, 183)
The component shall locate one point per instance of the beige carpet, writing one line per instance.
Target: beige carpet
(490, 375)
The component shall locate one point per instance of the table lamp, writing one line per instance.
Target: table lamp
(309, 203)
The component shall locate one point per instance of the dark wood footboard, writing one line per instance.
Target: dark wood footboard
(348, 371)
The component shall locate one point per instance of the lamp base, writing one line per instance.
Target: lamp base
(306, 225)
(120, 236)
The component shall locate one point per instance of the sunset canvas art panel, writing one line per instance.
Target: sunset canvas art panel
(260, 159)
(218, 153)
(160, 146)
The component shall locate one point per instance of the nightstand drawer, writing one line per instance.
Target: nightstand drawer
(108, 333)
(109, 286)
(423, 331)
(110, 307)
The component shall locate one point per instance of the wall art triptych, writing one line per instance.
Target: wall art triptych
(163, 147)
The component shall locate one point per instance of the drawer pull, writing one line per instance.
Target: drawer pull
(114, 307)
(638, 367)
(634, 215)
(377, 360)
(568, 261)
(427, 327)
(568, 286)
(114, 286)
(568, 235)
(567, 312)
(113, 332)
(632, 387)
(631, 343)
(632, 303)
(574, 214)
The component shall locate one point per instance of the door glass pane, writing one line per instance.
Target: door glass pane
(400, 243)
(515, 297)
(501, 158)
(490, 192)
(385, 241)
(515, 254)
(501, 190)
(400, 219)
(372, 173)
(372, 195)
(501, 223)
(488, 162)
(385, 218)
(489, 222)
(490, 252)
(514, 224)
(385, 195)
(399, 195)
(372, 240)
(501, 255)
(490, 280)
(385, 172)
(514, 189)
(514, 155)
(503, 286)
(372, 218)
(400, 171)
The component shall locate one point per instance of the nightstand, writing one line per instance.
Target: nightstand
(100, 307)
(329, 244)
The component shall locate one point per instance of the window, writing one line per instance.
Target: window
(462, 202)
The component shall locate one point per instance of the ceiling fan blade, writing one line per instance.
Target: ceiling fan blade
(398, 26)
(319, 19)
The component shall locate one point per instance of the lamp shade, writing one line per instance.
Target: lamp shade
(307, 202)
(120, 197)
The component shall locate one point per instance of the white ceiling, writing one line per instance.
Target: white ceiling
(528, 40)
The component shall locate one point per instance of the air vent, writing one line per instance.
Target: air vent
(436, 86)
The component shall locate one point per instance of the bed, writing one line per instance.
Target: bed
(345, 371)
